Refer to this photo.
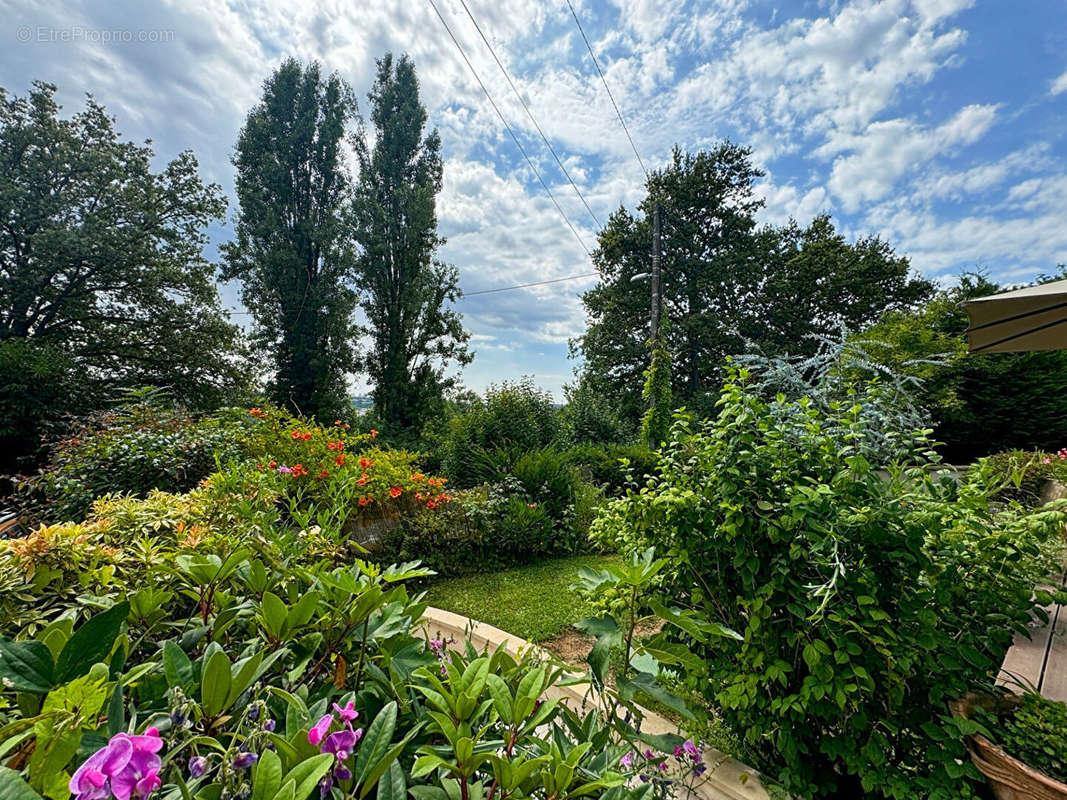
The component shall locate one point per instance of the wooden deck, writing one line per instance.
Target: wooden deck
(1040, 662)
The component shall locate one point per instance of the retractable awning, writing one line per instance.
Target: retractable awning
(1034, 318)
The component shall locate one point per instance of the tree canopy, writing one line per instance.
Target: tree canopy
(101, 257)
(413, 334)
(728, 284)
(292, 250)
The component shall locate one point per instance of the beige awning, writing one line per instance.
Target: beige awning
(1034, 318)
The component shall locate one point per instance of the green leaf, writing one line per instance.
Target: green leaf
(12, 787)
(26, 666)
(267, 777)
(395, 785)
(376, 742)
(646, 683)
(176, 665)
(215, 684)
(308, 773)
(90, 644)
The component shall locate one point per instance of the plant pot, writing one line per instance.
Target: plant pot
(1009, 778)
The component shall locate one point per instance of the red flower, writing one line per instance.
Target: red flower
(323, 474)
(363, 501)
(339, 460)
(337, 423)
(259, 466)
(306, 436)
(362, 479)
(296, 435)
(373, 433)
(299, 470)
(272, 464)
(431, 504)
(396, 491)
(365, 463)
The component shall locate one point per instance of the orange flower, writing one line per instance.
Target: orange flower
(337, 423)
(259, 466)
(373, 433)
(365, 463)
(299, 470)
(295, 435)
(431, 504)
(416, 477)
(362, 480)
(323, 474)
(395, 492)
(306, 436)
(339, 460)
(273, 464)
(363, 501)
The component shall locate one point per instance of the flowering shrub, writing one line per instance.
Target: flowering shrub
(257, 679)
(1020, 475)
(864, 603)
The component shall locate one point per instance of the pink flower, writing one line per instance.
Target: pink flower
(316, 734)
(348, 713)
(627, 760)
(1046, 461)
(126, 767)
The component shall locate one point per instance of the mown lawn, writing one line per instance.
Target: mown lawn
(534, 602)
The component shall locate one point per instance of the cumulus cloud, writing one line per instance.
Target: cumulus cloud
(1059, 85)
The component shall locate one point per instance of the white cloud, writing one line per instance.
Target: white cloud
(1059, 85)
(888, 150)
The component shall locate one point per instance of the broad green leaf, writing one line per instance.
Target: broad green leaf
(267, 776)
(176, 665)
(26, 666)
(215, 684)
(376, 742)
(90, 643)
(394, 786)
(12, 787)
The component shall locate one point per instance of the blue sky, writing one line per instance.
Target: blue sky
(938, 124)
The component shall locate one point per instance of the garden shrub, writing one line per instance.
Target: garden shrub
(133, 448)
(613, 467)
(864, 603)
(1020, 475)
(590, 418)
(1035, 732)
(514, 416)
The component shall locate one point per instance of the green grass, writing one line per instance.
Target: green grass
(534, 602)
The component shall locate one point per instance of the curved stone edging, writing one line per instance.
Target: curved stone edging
(726, 777)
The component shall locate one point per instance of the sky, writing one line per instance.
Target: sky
(940, 125)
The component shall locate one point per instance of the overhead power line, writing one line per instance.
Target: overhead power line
(603, 80)
(535, 283)
(529, 113)
(518, 144)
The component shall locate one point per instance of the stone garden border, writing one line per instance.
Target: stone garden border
(726, 777)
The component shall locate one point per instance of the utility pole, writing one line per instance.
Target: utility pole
(657, 283)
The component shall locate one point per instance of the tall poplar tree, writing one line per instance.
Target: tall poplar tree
(413, 335)
(292, 251)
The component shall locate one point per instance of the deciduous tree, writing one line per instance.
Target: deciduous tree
(413, 334)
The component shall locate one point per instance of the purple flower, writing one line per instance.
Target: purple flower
(244, 760)
(700, 769)
(649, 755)
(197, 766)
(284, 469)
(662, 766)
(342, 773)
(348, 713)
(126, 767)
(322, 727)
(268, 725)
(627, 760)
(341, 743)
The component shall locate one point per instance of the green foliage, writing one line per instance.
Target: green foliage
(38, 387)
(865, 602)
(656, 421)
(974, 399)
(1035, 732)
(102, 258)
(590, 418)
(1021, 476)
(613, 467)
(414, 337)
(291, 251)
(134, 448)
(726, 283)
(515, 417)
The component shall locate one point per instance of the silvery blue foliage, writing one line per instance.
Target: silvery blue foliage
(842, 370)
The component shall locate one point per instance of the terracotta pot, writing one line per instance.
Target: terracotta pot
(1009, 777)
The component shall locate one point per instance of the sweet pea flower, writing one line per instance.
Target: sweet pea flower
(340, 743)
(126, 767)
(197, 766)
(348, 713)
(627, 760)
(318, 733)
(244, 760)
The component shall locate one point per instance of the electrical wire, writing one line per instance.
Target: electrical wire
(529, 113)
(518, 144)
(603, 80)
(528, 285)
